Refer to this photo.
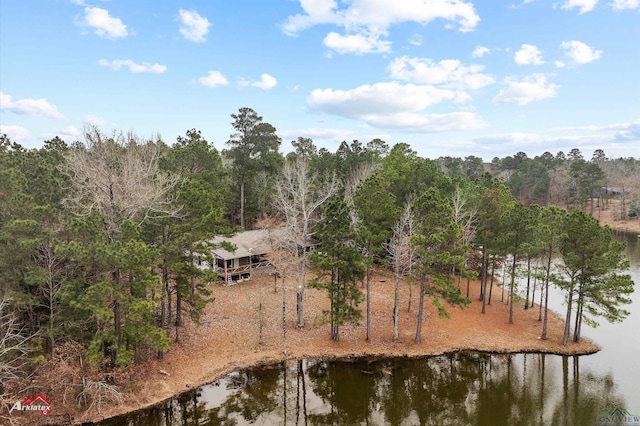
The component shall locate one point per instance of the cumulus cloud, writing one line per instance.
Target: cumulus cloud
(579, 52)
(531, 88)
(528, 55)
(450, 73)
(394, 106)
(416, 40)
(427, 123)
(194, 27)
(357, 43)
(266, 82)
(584, 5)
(144, 67)
(625, 4)
(366, 22)
(480, 51)
(40, 107)
(70, 133)
(377, 98)
(102, 23)
(213, 79)
(15, 133)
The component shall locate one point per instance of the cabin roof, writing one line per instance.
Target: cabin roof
(248, 243)
(256, 242)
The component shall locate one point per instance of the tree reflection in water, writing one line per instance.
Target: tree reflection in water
(454, 389)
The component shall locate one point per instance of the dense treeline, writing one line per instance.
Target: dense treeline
(99, 238)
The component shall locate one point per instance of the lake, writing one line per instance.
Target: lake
(453, 389)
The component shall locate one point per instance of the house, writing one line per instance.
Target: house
(250, 258)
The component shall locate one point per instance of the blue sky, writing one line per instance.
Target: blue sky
(449, 77)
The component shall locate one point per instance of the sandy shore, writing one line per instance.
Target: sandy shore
(228, 338)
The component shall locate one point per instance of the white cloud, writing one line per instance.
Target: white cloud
(560, 64)
(394, 106)
(94, 120)
(194, 27)
(379, 98)
(584, 5)
(450, 73)
(427, 123)
(532, 88)
(15, 133)
(357, 43)
(416, 40)
(266, 82)
(528, 55)
(30, 107)
(625, 4)
(102, 23)
(213, 79)
(480, 51)
(579, 52)
(70, 133)
(133, 67)
(365, 21)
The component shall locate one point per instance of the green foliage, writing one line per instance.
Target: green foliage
(338, 265)
(596, 264)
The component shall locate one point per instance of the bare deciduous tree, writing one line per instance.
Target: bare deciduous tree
(299, 194)
(118, 177)
(401, 252)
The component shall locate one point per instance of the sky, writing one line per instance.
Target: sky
(487, 78)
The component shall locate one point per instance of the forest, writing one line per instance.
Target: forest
(99, 239)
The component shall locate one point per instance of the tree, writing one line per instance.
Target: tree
(376, 212)
(594, 262)
(252, 148)
(495, 202)
(437, 253)
(338, 265)
(551, 233)
(116, 186)
(184, 240)
(402, 256)
(299, 193)
(514, 238)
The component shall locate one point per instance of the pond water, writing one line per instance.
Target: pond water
(455, 389)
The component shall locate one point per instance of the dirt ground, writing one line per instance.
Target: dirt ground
(228, 338)
(610, 216)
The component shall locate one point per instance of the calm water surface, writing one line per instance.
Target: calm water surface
(457, 389)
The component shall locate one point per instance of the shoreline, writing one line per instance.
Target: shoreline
(354, 357)
(228, 338)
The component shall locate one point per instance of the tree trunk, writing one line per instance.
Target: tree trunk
(284, 319)
(242, 204)
(567, 322)
(368, 304)
(526, 300)
(299, 310)
(578, 321)
(418, 338)
(396, 302)
(483, 283)
(511, 287)
(493, 267)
